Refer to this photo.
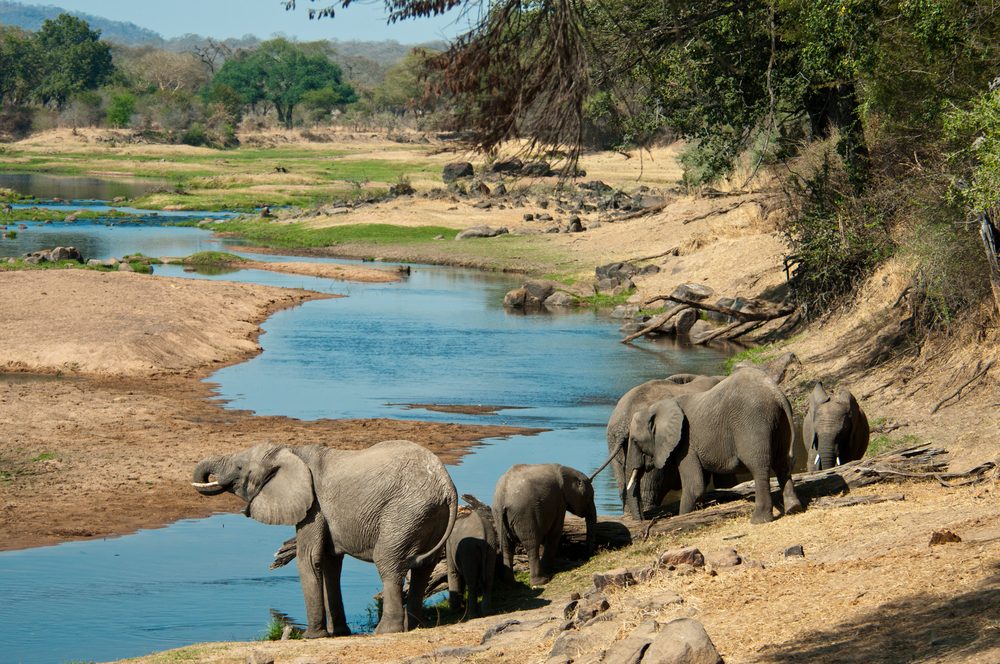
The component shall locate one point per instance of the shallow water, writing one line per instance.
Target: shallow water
(77, 188)
(440, 337)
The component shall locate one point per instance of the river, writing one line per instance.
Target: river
(439, 337)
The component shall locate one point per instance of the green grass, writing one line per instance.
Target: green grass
(269, 234)
(274, 629)
(213, 258)
(605, 300)
(44, 456)
(20, 264)
(885, 443)
(756, 355)
(61, 215)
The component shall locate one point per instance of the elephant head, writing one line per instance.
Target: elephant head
(834, 430)
(578, 491)
(654, 434)
(275, 482)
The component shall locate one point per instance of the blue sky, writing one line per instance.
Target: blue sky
(363, 20)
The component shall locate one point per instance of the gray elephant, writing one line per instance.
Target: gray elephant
(835, 429)
(745, 421)
(393, 504)
(529, 506)
(471, 554)
(653, 486)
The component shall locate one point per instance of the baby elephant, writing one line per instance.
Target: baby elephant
(835, 429)
(471, 553)
(529, 506)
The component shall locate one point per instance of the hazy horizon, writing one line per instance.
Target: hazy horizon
(364, 21)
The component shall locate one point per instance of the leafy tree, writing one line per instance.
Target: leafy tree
(19, 66)
(281, 73)
(73, 58)
(121, 108)
(402, 88)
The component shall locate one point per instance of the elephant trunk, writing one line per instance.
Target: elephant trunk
(632, 491)
(205, 468)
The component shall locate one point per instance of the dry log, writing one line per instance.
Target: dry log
(638, 213)
(672, 251)
(713, 213)
(656, 323)
(718, 333)
(742, 315)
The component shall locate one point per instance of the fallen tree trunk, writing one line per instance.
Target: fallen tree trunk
(656, 323)
(763, 315)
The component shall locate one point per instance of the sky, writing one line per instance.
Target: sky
(363, 20)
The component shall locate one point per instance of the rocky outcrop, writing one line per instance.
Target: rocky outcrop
(456, 171)
(54, 255)
(481, 231)
(536, 295)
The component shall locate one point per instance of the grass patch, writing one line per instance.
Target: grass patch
(270, 234)
(756, 355)
(20, 264)
(885, 443)
(213, 258)
(274, 629)
(604, 300)
(44, 456)
(61, 215)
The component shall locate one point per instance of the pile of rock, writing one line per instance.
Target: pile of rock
(55, 255)
(617, 277)
(537, 295)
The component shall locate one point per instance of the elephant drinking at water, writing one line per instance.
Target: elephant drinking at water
(393, 504)
(744, 421)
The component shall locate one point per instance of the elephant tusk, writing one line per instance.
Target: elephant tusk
(631, 479)
(205, 485)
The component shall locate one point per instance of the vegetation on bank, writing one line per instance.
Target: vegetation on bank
(61, 215)
(300, 235)
(213, 258)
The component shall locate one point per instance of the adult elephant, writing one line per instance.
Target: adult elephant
(744, 421)
(835, 429)
(529, 506)
(653, 486)
(393, 504)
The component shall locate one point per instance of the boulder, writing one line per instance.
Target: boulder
(456, 170)
(480, 188)
(125, 267)
(560, 299)
(696, 292)
(699, 330)
(727, 302)
(574, 643)
(682, 641)
(614, 578)
(481, 231)
(575, 225)
(795, 552)
(684, 321)
(259, 657)
(607, 284)
(539, 290)
(536, 169)
(631, 649)
(721, 558)
(514, 299)
(528, 216)
(597, 185)
(512, 165)
(689, 555)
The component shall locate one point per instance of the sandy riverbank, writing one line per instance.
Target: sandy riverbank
(103, 412)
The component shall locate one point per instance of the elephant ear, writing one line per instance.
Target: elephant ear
(668, 427)
(819, 396)
(286, 497)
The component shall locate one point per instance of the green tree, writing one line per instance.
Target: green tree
(121, 108)
(281, 73)
(73, 58)
(402, 88)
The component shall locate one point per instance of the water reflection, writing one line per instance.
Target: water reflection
(77, 188)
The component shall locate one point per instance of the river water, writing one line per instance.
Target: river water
(439, 337)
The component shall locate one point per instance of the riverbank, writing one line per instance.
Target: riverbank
(105, 410)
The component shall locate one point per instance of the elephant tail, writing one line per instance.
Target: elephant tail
(420, 559)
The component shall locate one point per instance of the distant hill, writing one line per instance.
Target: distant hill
(31, 17)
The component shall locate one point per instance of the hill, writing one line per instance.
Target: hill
(31, 17)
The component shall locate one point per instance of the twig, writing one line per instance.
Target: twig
(639, 213)
(656, 323)
(712, 213)
(978, 374)
(645, 534)
(672, 251)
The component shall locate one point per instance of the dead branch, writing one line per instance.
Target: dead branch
(718, 333)
(656, 323)
(635, 214)
(980, 372)
(769, 314)
(672, 251)
(713, 213)
(747, 328)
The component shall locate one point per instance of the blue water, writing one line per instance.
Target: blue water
(441, 336)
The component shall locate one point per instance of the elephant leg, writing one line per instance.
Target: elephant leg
(762, 512)
(551, 546)
(454, 589)
(474, 575)
(538, 577)
(507, 551)
(790, 502)
(489, 573)
(332, 566)
(393, 616)
(310, 535)
(692, 483)
(419, 577)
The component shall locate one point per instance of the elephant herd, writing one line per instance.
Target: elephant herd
(395, 505)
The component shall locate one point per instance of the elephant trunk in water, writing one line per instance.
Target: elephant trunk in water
(214, 466)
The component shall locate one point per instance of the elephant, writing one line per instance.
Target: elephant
(745, 421)
(393, 504)
(654, 485)
(529, 506)
(835, 429)
(471, 554)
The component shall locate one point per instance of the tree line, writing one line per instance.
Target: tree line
(64, 74)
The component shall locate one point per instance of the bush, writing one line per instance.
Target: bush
(16, 122)
(120, 109)
(85, 109)
(195, 135)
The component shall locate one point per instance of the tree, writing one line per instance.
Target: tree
(402, 88)
(19, 66)
(282, 73)
(72, 57)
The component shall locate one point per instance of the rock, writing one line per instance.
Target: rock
(699, 330)
(481, 231)
(795, 552)
(591, 225)
(631, 649)
(456, 170)
(125, 267)
(438, 237)
(560, 299)
(539, 290)
(575, 643)
(943, 537)
(727, 302)
(536, 169)
(480, 188)
(34, 259)
(682, 641)
(545, 216)
(449, 655)
(498, 629)
(512, 165)
(65, 254)
(624, 287)
(655, 603)
(597, 186)
(614, 578)
(617, 271)
(528, 216)
(93, 262)
(553, 229)
(483, 205)
(689, 555)
(575, 225)
(514, 299)
(693, 292)
(722, 558)
(624, 311)
(259, 657)
(586, 610)
(500, 190)
(650, 269)
(684, 321)
(607, 284)
(778, 368)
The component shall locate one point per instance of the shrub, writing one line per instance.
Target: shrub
(195, 135)
(121, 108)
